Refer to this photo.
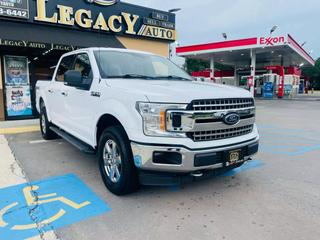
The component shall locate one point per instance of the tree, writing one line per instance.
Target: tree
(313, 73)
(195, 65)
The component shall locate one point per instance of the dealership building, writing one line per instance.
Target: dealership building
(35, 33)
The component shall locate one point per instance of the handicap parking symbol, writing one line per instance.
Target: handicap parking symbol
(27, 210)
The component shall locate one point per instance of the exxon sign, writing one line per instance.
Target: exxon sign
(271, 41)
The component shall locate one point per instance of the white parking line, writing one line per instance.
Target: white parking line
(38, 141)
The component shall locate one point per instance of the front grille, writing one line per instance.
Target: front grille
(221, 104)
(220, 134)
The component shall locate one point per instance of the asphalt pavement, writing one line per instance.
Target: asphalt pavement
(275, 196)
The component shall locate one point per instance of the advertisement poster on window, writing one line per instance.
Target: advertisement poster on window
(17, 86)
(18, 101)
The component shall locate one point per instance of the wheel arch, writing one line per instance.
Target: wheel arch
(105, 121)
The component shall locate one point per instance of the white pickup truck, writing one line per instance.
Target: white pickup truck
(145, 118)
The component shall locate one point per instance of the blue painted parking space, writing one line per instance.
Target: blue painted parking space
(30, 209)
(291, 142)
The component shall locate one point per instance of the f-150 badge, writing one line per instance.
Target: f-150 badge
(103, 2)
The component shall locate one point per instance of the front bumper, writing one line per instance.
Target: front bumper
(186, 160)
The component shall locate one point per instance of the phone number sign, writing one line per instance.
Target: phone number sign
(14, 8)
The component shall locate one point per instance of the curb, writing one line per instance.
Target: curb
(16, 130)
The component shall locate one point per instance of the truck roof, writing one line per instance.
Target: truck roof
(106, 49)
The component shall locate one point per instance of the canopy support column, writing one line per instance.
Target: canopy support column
(212, 68)
(235, 76)
(253, 71)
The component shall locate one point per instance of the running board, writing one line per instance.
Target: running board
(83, 147)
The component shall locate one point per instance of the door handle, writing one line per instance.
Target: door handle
(50, 91)
(64, 93)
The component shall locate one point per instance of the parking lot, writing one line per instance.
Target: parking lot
(274, 196)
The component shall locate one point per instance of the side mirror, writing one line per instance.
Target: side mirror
(73, 78)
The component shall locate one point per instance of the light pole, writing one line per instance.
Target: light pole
(273, 29)
(173, 10)
(225, 36)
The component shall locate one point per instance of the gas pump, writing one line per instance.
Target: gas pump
(301, 86)
(280, 71)
(269, 83)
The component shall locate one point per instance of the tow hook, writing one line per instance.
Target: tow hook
(196, 174)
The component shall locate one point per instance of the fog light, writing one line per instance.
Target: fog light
(172, 158)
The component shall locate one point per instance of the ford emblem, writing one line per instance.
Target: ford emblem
(231, 118)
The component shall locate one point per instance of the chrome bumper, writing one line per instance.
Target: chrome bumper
(144, 154)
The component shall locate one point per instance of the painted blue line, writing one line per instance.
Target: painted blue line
(296, 150)
(273, 139)
(305, 150)
(286, 136)
(266, 146)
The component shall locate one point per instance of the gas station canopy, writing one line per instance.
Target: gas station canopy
(281, 50)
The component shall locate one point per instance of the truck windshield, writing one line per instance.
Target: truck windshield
(116, 64)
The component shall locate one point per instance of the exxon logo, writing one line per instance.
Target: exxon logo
(270, 41)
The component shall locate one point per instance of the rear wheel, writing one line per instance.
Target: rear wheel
(45, 125)
(116, 162)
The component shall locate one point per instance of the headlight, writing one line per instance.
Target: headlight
(154, 118)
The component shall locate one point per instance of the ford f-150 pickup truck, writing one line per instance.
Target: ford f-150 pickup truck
(145, 118)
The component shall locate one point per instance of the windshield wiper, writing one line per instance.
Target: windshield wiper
(173, 77)
(128, 76)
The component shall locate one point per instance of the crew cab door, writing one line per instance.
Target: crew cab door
(56, 92)
(79, 104)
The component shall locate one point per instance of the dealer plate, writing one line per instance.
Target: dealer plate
(234, 156)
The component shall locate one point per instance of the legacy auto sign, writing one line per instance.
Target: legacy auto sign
(110, 16)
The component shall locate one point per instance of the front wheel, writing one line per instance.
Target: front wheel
(116, 162)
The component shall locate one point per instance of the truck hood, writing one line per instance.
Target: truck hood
(177, 91)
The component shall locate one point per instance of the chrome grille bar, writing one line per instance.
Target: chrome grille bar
(220, 134)
(221, 104)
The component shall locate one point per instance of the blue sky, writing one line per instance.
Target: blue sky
(204, 20)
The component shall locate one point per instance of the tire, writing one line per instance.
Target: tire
(116, 162)
(45, 125)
